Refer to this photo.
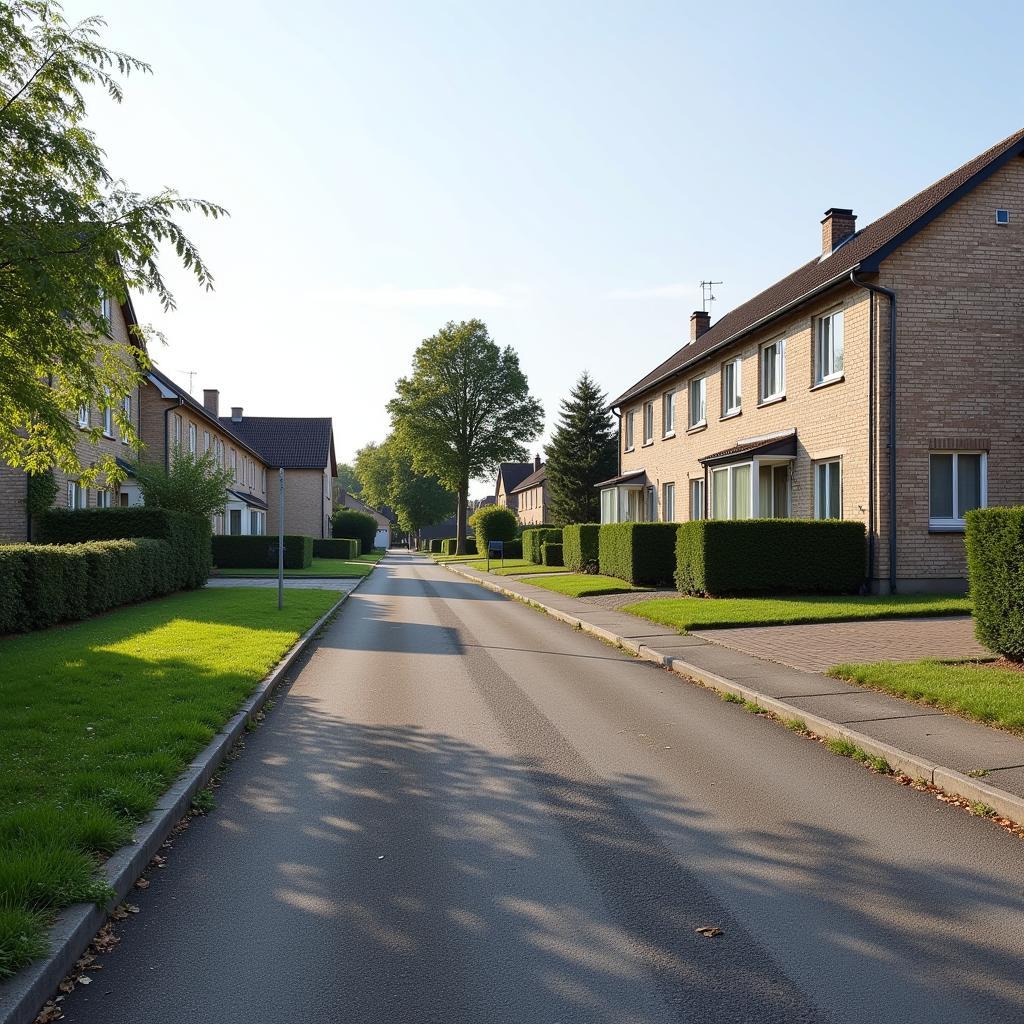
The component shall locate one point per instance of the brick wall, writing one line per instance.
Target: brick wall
(13, 519)
(532, 505)
(307, 502)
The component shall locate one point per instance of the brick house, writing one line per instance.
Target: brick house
(510, 476)
(531, 496)
(384, 518)
(303, 446)
(796, 404)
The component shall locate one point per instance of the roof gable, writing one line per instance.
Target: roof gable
(535, 479)
(291, 442)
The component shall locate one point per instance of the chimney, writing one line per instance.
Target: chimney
(211, 401)
(236, 414)
(836, 228)
(536, 462)
(700, 321)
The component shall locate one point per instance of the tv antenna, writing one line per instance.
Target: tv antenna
(191, 374)
(706, 294)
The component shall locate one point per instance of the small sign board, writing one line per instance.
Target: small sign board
(496, 549)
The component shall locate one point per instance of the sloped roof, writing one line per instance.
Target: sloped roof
(612, 481)
(294, 442)
(864, 252)
(783, 445)
(513, 474)
(537, 477)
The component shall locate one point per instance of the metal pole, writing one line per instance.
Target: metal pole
(280, 540)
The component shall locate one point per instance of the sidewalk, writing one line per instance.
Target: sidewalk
(920, 741)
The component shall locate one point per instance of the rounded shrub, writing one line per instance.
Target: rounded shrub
(347, 522)
(493, 522)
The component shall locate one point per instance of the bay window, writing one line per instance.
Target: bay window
(731, 496)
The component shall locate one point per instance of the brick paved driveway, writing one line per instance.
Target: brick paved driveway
(817, 647)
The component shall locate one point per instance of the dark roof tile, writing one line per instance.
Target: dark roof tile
(294, 442)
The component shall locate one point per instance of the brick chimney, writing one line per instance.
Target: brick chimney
(536, 462)
(700, 321)
(236, 414)
(836, 228)
(211, 401)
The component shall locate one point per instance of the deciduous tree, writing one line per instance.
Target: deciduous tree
(191, 483)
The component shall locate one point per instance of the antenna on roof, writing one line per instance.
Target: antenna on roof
(191, 374)
(706, 294)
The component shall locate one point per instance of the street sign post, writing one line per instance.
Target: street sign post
(498, 549)
(280, 539)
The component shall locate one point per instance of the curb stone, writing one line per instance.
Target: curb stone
(23, 995)
(955, 783)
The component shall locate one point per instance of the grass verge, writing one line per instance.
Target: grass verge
(98, 720)
(689, 613)
(512, 566)
(584, 585)
(330, 568)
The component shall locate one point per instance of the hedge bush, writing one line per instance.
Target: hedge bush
(435, 545)
(641, 553)
(347, 522)
(448, 545)
(534, 537)
(493, 522)
(334, 547)
(551, 553)
(260, 552)
(995, 569)
(580, 546)
(759, 556)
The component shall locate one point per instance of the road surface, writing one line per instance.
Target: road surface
(464, 811)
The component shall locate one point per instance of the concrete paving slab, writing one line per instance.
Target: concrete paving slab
(1011, 779)
(857, 706)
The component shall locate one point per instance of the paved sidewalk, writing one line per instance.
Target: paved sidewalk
(918, 740)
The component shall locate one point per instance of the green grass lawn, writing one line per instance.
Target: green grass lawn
(98, 720)
(689, 613)
(512, 566)
(583, 585)
(991, 695)
(333, 568)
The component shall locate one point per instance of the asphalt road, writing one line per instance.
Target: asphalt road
(464, 811)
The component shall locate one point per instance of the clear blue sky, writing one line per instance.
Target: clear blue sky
(568, 172)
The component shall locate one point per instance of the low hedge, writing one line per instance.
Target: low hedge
(448, 546)
(493, 522)
(534, 537)
(333, 547)
(260, 552)
(995, 569)
(759, 556)
(580, 546)
(347, 522)
(551, 553)
(435, 545)
(640, 553)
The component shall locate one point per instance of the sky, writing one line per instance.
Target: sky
(567, 172)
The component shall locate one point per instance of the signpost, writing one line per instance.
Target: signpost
(280, 540)
(498, 547)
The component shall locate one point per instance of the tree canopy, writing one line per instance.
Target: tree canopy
(347, 478)
(72, 236)
(192, 483)
(465, 408)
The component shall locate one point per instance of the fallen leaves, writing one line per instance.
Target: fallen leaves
(709, 931)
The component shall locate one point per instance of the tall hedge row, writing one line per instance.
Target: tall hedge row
(551, 553)
(580, 546)
(641, 553)
(995, 569)
(347, 522)
(261, 552)
(759, 556)
(336, 547)
(535, 537)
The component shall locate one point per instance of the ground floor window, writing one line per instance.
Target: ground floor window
(627, 504)
(828, 489)
(234, 521)
(668, 502)
(104, 499)
(773, 491)
(697, 499)
(256, 523)
(78, 496)
(957, 482)
(731, 496)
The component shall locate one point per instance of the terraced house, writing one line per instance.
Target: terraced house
(879, 381)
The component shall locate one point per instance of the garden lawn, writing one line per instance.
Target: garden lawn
(989, 694)
(512, 566)
(584, 585)
(327, 568)
(689, 613)
(100, 717)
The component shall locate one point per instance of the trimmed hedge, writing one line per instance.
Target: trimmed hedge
(551, 553)
(260, 552)
(448, 546)
(995, 569)
(535, 537)
(640, 553)
(347, 522)
(758, 556)
(333, 547)
(43, 584)
(580, 546)
(435, 545)
(493, 522)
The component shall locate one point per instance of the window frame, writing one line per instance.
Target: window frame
(668, 502)
(648, 411)
(737, 364)
(83, 417)
(820, 464)
(177, 429)
(701, 385)
(831, 319)
(730, 470)
(958, 523)
(698, 484)
(193, 439)
(764, 398)
(629, 430)
(108, 421)
(106, 309)
(126, 407)
(668, 413)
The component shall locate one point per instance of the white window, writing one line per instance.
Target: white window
(108, 421)
(828, 489)
(668, 503)
(83, 416)
(78, 496)
(609, 503)
(731, 496)
(177, 429)
(629, 433)
(104, 499)
(698, 402)
(828, 348)
(731, 387)
(773, 370)
(668, 413)
(234, 464)
(957, 482)
(697, 499)
(105, 307)
(193, 436)
(773, 491)
(648, 422)
(126, 405)
(650, 506)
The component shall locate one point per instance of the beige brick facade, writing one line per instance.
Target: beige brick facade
(532, 504)
(307, 502)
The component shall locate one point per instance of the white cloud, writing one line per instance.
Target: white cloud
(665, 291)
(391, 296)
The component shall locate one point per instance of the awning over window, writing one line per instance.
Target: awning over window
(247, 499)
(779, 446)
(635, 477)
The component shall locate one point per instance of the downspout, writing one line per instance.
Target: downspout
(891, 296)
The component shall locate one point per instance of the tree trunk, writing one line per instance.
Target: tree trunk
(460, 519)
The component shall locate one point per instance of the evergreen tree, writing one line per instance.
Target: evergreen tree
(583, 451)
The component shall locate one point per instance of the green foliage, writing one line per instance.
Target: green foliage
(493, 522)
(583, 452)
(580, 544)
(449, 546)
(348, 480)
(436, 543)
(42, 492)
(761, 556)
(335, 547)
(551, 553)
(347, 522)
(70, 230)
(193, 483)
(465, 408)
(534, 537)
(255, 552)
(583, 584)
(995, 568)
(642, 553)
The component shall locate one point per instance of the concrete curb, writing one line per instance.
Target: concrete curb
(1004, 803)
(22, 996)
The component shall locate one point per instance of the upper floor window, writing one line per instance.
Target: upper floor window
(177, 429)
(126, 405)
(108, 421)
(206, 441)
(731, 387)
(629, 430)
(668, 413)
(83, 416)
(698, 402)
(648, 422)
(773, 370)
(234, 464)
(193, 436)
(828, 348)
(957, 482)
(105, 307)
